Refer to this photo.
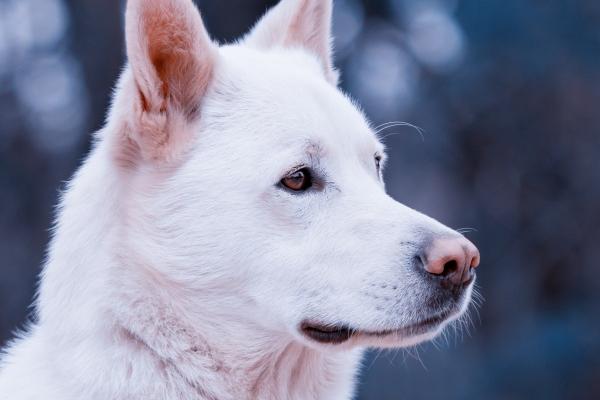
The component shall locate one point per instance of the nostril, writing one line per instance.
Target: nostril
(420, 260)
(450, 267)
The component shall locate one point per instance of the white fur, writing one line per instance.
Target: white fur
(187, 276)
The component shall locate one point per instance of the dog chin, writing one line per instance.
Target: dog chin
(398, 338)
(346, 335)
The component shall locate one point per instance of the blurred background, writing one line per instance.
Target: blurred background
(507, 93)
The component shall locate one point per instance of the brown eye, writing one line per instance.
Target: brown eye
(298, 181)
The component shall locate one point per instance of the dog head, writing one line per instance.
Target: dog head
(252, 186)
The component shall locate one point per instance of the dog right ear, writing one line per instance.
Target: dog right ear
(171, 59)
(298, 23)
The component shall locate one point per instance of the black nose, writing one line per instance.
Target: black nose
(451, 260)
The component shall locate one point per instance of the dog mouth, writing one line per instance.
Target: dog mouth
(330, 334)
(340, 333)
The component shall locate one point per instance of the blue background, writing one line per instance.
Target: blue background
(507, 93)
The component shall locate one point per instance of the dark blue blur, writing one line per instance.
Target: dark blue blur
(507, 93)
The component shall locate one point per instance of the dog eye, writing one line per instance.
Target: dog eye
(298, 181)
(378, 162)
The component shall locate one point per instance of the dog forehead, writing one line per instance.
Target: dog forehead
(282, 92)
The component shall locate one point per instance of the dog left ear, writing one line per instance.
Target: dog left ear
(171, 59)
(298, 23)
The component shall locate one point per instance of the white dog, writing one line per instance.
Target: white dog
(229, 236)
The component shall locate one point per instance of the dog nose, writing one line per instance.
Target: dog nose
(451, 258)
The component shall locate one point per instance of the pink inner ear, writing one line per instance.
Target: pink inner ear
(311, 27)
(298, 23)
(171, 58)
(170, 53)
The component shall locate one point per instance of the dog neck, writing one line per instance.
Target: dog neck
(226, 356)
(250, 369)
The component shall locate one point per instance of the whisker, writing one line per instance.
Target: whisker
(445, 336)
(468, 323)
(477, 301)
(416, 356)
(380, 128)
(466, 230)
(394, 355)
(386, 124)
(375, 359)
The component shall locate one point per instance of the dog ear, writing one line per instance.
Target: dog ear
(171, 59)
(298, 23)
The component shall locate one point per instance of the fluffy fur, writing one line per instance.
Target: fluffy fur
(180, 269)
